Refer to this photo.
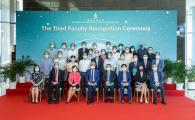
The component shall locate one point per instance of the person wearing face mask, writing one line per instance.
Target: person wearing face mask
(82, 50)
(46, 65)
(84, 65)
(52, 51)
(92, 77)
(141, 80)
(111, 61)
(156, 82)
(120, 49)
(151, 55)
(71, 63)
(94, 46)
(91, 54)
(124, 82)
(159, 62)
(73, 51)
(64, 51)
(120, 62)
(74, 82)
(103, 54)
(132, 50)
(128, 55)
(108, 47)
(109, 78)
(56, 81)
(37, 79)
(61, 61)
(115, 54)
(141, 52)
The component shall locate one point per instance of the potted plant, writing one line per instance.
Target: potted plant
(9, 72)
(179, 74)
(168, 70)
(21, 65)
(191, 77)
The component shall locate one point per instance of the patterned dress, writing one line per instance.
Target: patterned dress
(37, 77)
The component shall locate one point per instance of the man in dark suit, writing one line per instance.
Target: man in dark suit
(92, 78)
(109, 78)
(82, 50)
(156, 81)
(146, 64)
(141, 52)
(151, 55)
(56, 79)
(124, 82)
(159, 62)
(120, 49)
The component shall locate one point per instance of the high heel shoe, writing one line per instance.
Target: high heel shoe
(146, 102)
(141, 101)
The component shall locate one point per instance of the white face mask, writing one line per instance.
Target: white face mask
(85, 57)
(114, 50)
(120, 47)
(157, 57)
(52, 46)
(46, 56)
(74, 70)
(73, 60)
(72, 48)
(84, 46)
(36, 69)
(109, 57)
(122, 57)
(154, 69)
(90, 52)
(60, 55)
(145, 58)
(63, 47)
(92, 67)
(135, 59)
(56, 66)
(127, 51)
(132, 49)
(97, 55)
(108, 46)
(94, 47)
(150, 51)
(124, 69)
(108, 68)
(103, 52)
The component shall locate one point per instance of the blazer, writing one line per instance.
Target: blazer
(112, 77)
(80, 53)
(151, 78)
(148, 66)
(120, 78)
(132, 65)
(74, 77)
(151, 57)
(160, 65)
(96, 76)
(60, 77)
(100, 64)
(140, 79)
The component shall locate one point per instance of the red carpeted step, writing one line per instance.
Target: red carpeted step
(18, 91)
(169, 86)
(24, 85)
(175, 92)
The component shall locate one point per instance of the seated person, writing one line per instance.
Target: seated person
(109, 78)
(124, 81)
(92, 78)
(141, 79)
(56, 79)
(74, 81)
(37, 80)
(156, 82)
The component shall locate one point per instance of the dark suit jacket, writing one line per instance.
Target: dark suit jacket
(120, 78)
(80, 52)
(151, 78)
(100, 65)
(112, 77)
(140, 53)
(132, 65)
(140, 79)
(160, 65)
(151, 57)
(60, 77)
(88, 76)
(148, 66)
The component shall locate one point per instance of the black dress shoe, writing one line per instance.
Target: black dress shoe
(163, 102)
(106, 100)
(88, 101)
(129, 101)
(49, 102)
(111, 101)
(155, 102)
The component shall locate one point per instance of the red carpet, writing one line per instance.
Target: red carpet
(14, 107)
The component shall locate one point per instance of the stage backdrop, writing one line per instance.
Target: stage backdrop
(35, 30)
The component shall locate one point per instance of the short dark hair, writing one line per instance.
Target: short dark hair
(72, 56)
(123, 65)
(74, 66)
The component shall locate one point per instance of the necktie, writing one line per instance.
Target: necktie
(55, 75)
(92, 80)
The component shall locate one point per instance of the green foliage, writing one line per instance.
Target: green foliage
(191, 74)
(169, 68)
(179, 72)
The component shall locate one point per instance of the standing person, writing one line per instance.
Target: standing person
(103, 54)
(91, 54)
(151, 55)
(92, 78)
(109, 79)
(159, 62)
(115, 54)
(108, 47)
(61, 61)
(64, 51)
(73, 51)
(132, 50)
(37, 79)
(56, 80)
(124, 81)
(141, 52)
(84, 65)
(46, 65)
(120, 49)
(141, 79)
(74, 82)
(94, 47)
(82, 50)
(128, 55)
(156, 81)
(111, 61)
(52, 51)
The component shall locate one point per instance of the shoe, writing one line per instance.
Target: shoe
(56, 102)
(163, 102)
(49, 102)
(122, 101)
(155, 102)
(106, 100)
(129, 101)
(111, 101)
(88, 101)
(146, 102)
(141, 100)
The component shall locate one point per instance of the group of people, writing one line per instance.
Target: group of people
(114, 67)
